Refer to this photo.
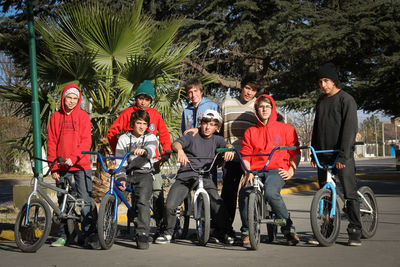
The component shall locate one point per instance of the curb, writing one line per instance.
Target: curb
(7, 235)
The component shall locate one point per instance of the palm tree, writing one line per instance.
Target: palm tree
(109, 55)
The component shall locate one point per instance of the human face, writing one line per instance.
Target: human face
(140, 127)
(248, 93)
(70, 102)
(143, 101)
(195, 95)
(208, 128)
(328, 86)
(264, 111)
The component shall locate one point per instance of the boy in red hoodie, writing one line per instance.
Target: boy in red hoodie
(261, 139)
(69, 133)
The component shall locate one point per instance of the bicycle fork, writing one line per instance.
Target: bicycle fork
(330, 184)
(200, 189)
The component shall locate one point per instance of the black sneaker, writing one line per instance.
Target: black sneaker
(354, 238)
(142, 241)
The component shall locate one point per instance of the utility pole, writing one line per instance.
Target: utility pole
(37, 135)
(383, 137)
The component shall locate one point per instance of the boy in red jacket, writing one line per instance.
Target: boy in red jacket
(261, 139)
(69, 133)
(143, 98)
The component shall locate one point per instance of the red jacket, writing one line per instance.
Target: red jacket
(69, 134)
(261, 139)
(122, 123)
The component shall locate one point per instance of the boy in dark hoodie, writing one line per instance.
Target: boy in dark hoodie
(262, 139)
(69, 133)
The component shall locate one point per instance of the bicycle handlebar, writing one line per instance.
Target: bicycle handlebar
(110, 171)
(58, 160)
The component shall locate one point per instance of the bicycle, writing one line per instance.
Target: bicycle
(259, 211)
(33, 223)
(200, 203)
(107, 221)
(325, 212)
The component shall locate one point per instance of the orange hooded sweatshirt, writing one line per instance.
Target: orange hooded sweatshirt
(69, 134)
(262, 138)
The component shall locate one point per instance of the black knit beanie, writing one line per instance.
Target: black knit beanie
(329, 71)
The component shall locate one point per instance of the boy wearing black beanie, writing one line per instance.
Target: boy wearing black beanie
(335, 127)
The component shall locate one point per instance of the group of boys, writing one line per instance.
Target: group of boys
(248, 124)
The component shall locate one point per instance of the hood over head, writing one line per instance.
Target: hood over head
(273, 117)
(67, 88)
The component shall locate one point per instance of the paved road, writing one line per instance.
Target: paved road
(381, 250)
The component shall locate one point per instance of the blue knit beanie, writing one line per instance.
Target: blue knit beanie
(146, 88)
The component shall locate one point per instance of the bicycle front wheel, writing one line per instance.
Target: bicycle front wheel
(107, 228)
(325, 228)
(254, 217)
(31, 236)
(203, 219)
(368, 212)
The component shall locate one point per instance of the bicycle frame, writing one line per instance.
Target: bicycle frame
(113, 183)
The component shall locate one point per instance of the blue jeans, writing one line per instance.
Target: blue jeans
(83, 187)
(273, 184)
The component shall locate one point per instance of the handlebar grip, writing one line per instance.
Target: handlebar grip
(89, 152)
(19, 147)
(168, 151)
(222, 150)
(359, 143)
(288, 148)
(303, 147)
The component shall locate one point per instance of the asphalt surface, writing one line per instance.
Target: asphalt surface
(381, 250)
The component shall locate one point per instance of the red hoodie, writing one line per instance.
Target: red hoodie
(122, 123)
(69, 134)
(261, 139)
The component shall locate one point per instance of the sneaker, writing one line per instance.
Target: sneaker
(142, 241)
(246, 241)
(59, 242)
(163, 239)
(354, 239)
(292, 239)
(91, 242)
(228, 240)
(313, 241)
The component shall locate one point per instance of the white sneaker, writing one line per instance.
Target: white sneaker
(163, 239)
(313, 242)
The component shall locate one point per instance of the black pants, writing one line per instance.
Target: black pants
(177, 194)
(232, 173)
(348, 180)
(142, 185)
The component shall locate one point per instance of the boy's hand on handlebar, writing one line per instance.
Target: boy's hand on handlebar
(68, 162)
(55, 176)
(123, 187)
(248, 179)
(228, 156)
(313, 164)
(182, 158)
(139, 152)
(340, 165)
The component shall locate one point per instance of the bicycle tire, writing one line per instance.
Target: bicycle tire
(31, 237)
(182, 220)
(369, 221)
(107, 229)
(325, 228)
(253, 217)
(203, 222)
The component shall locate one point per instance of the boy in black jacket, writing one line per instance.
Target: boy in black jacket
(335, 127)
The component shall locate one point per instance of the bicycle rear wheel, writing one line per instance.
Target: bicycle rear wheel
(203, 219)
(182, 220)
(325, 228)
(31, 236)
(368, 212)
(107, 228)
(254, 217)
